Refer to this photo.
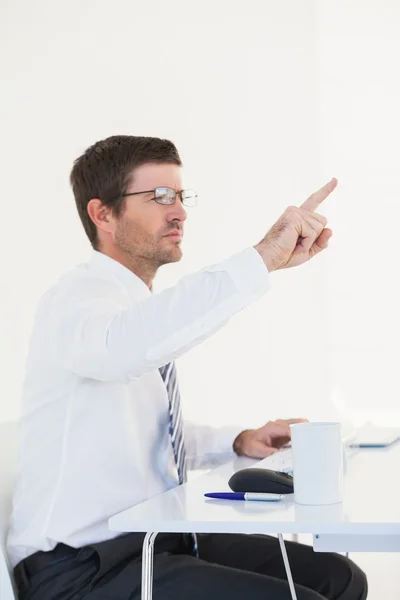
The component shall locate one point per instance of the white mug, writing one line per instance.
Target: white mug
(317, 463)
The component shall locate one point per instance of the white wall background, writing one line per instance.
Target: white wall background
(359, 100)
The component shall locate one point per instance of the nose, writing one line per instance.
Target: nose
(177, 211)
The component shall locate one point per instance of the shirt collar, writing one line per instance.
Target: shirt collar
(106, 264)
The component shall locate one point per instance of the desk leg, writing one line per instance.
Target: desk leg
(147, 566)
(287, 566)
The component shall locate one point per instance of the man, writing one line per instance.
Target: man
(101, 424)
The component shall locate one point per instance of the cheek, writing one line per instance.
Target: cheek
(153, 219)
(148, 222)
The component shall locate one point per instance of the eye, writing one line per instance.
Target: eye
(164, 195)
(163, 198)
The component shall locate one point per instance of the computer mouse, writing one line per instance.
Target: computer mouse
(261, 480)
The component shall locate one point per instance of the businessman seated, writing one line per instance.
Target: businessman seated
(102, 427)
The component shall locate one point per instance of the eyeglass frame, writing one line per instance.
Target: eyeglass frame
(165, 188)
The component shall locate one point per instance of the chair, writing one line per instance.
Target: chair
(8, 464)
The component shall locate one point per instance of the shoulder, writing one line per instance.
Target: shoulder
(82, 283)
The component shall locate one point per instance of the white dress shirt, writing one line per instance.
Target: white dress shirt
(94, 425)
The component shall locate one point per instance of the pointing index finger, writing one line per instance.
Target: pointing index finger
(313, 202)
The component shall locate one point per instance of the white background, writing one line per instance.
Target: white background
(265, 101)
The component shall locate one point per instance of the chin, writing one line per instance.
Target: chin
(176, 256)
(171, 257)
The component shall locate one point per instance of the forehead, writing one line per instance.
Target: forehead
(152, 175)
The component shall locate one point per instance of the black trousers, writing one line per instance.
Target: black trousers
(230, 566)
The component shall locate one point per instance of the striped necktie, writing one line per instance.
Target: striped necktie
(168, 373)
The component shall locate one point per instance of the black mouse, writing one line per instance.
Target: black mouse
(261, 480)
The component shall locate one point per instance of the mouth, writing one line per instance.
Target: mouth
(175, 234)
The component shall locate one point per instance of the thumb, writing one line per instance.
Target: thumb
(321, 242)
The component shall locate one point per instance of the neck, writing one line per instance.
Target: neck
(141, 267)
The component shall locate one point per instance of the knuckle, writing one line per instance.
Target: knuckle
(292, 210)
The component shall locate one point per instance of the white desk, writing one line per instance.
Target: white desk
(368, 519)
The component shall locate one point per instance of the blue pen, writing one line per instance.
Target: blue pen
(246, 496)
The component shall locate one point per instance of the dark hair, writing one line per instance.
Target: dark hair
(104, 171)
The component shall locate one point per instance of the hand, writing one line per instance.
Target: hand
(298, 235)
(265, 441)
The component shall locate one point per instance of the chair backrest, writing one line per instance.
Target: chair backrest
(8, 465)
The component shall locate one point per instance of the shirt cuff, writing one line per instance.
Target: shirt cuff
(224, 438)
(248, 272)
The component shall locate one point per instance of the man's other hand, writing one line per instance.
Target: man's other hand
(265, 441)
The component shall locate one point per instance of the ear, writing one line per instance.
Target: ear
(101, 215)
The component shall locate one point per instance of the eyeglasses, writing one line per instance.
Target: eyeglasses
(167, 196)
